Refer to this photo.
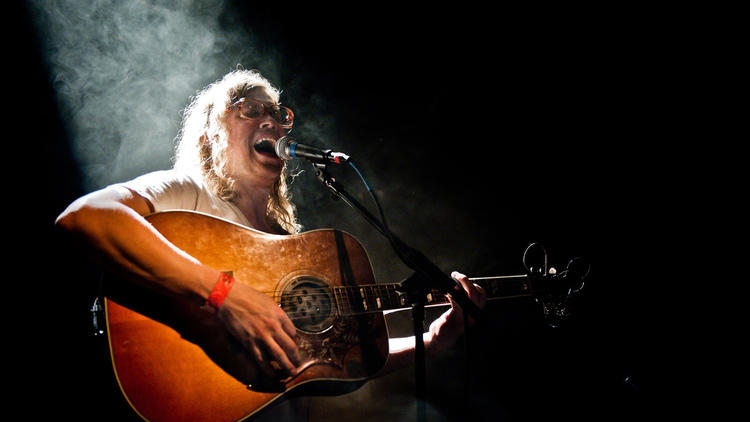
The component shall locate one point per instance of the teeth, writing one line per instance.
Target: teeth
(265, 145)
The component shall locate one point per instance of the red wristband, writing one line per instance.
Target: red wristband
(220, 291)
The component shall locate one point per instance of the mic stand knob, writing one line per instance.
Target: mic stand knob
(321, 171)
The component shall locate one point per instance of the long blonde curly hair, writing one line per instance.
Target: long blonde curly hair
(202, 143)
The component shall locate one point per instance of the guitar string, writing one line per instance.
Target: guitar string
(354, 306)
(353, 295)
(350, 299)
(351, 311)
(366, 287)
(370, 299)
(298, 315)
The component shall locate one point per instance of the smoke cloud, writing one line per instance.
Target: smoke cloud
(124, 70)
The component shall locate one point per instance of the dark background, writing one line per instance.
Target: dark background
(481, 132)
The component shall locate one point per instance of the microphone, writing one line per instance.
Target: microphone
(288, 148)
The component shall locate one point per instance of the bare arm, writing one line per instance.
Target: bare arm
(443, 332)
(110, 222)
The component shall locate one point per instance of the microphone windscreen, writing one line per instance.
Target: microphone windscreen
(282, 147)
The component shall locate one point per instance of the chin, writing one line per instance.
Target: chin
(271, 166)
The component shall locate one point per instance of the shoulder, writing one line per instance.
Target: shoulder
(164, 178)
(166, 189)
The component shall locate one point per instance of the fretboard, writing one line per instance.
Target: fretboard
(384, 297)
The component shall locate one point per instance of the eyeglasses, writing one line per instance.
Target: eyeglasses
(252, 109)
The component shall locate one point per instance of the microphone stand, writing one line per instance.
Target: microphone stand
(416, 287)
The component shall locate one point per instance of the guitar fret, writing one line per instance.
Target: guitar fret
(378, 304)
(387, 298)
(336, 298)
(340, 299)
(346, 300)
(363, 296)
(349, 300)
(373, 296)
(353, 300)
(395, 297)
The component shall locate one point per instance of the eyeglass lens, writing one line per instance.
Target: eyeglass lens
(254, 109)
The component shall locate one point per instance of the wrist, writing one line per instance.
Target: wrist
(218, 294)
(431, 345)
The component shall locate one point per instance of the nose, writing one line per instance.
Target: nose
(268, 122)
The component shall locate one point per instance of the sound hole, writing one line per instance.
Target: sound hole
(308, 303)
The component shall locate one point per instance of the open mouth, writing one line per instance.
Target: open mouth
(265, 147)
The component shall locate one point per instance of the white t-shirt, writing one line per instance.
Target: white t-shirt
(173, 190)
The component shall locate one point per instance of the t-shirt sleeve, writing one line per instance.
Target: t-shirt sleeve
(166, 190)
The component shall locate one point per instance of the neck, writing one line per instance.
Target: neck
(252, 200)
(352, 300)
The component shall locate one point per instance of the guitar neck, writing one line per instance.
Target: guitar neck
(386, 297)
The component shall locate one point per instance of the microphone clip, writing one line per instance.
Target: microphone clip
(337, 157)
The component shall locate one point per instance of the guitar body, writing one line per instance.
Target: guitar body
(174, 361)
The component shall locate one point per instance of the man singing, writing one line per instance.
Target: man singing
(225, 166)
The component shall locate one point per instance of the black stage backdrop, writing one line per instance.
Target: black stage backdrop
(481, 131)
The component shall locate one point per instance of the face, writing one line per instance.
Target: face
(250, 140)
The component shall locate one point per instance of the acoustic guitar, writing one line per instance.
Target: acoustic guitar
(175, 361)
